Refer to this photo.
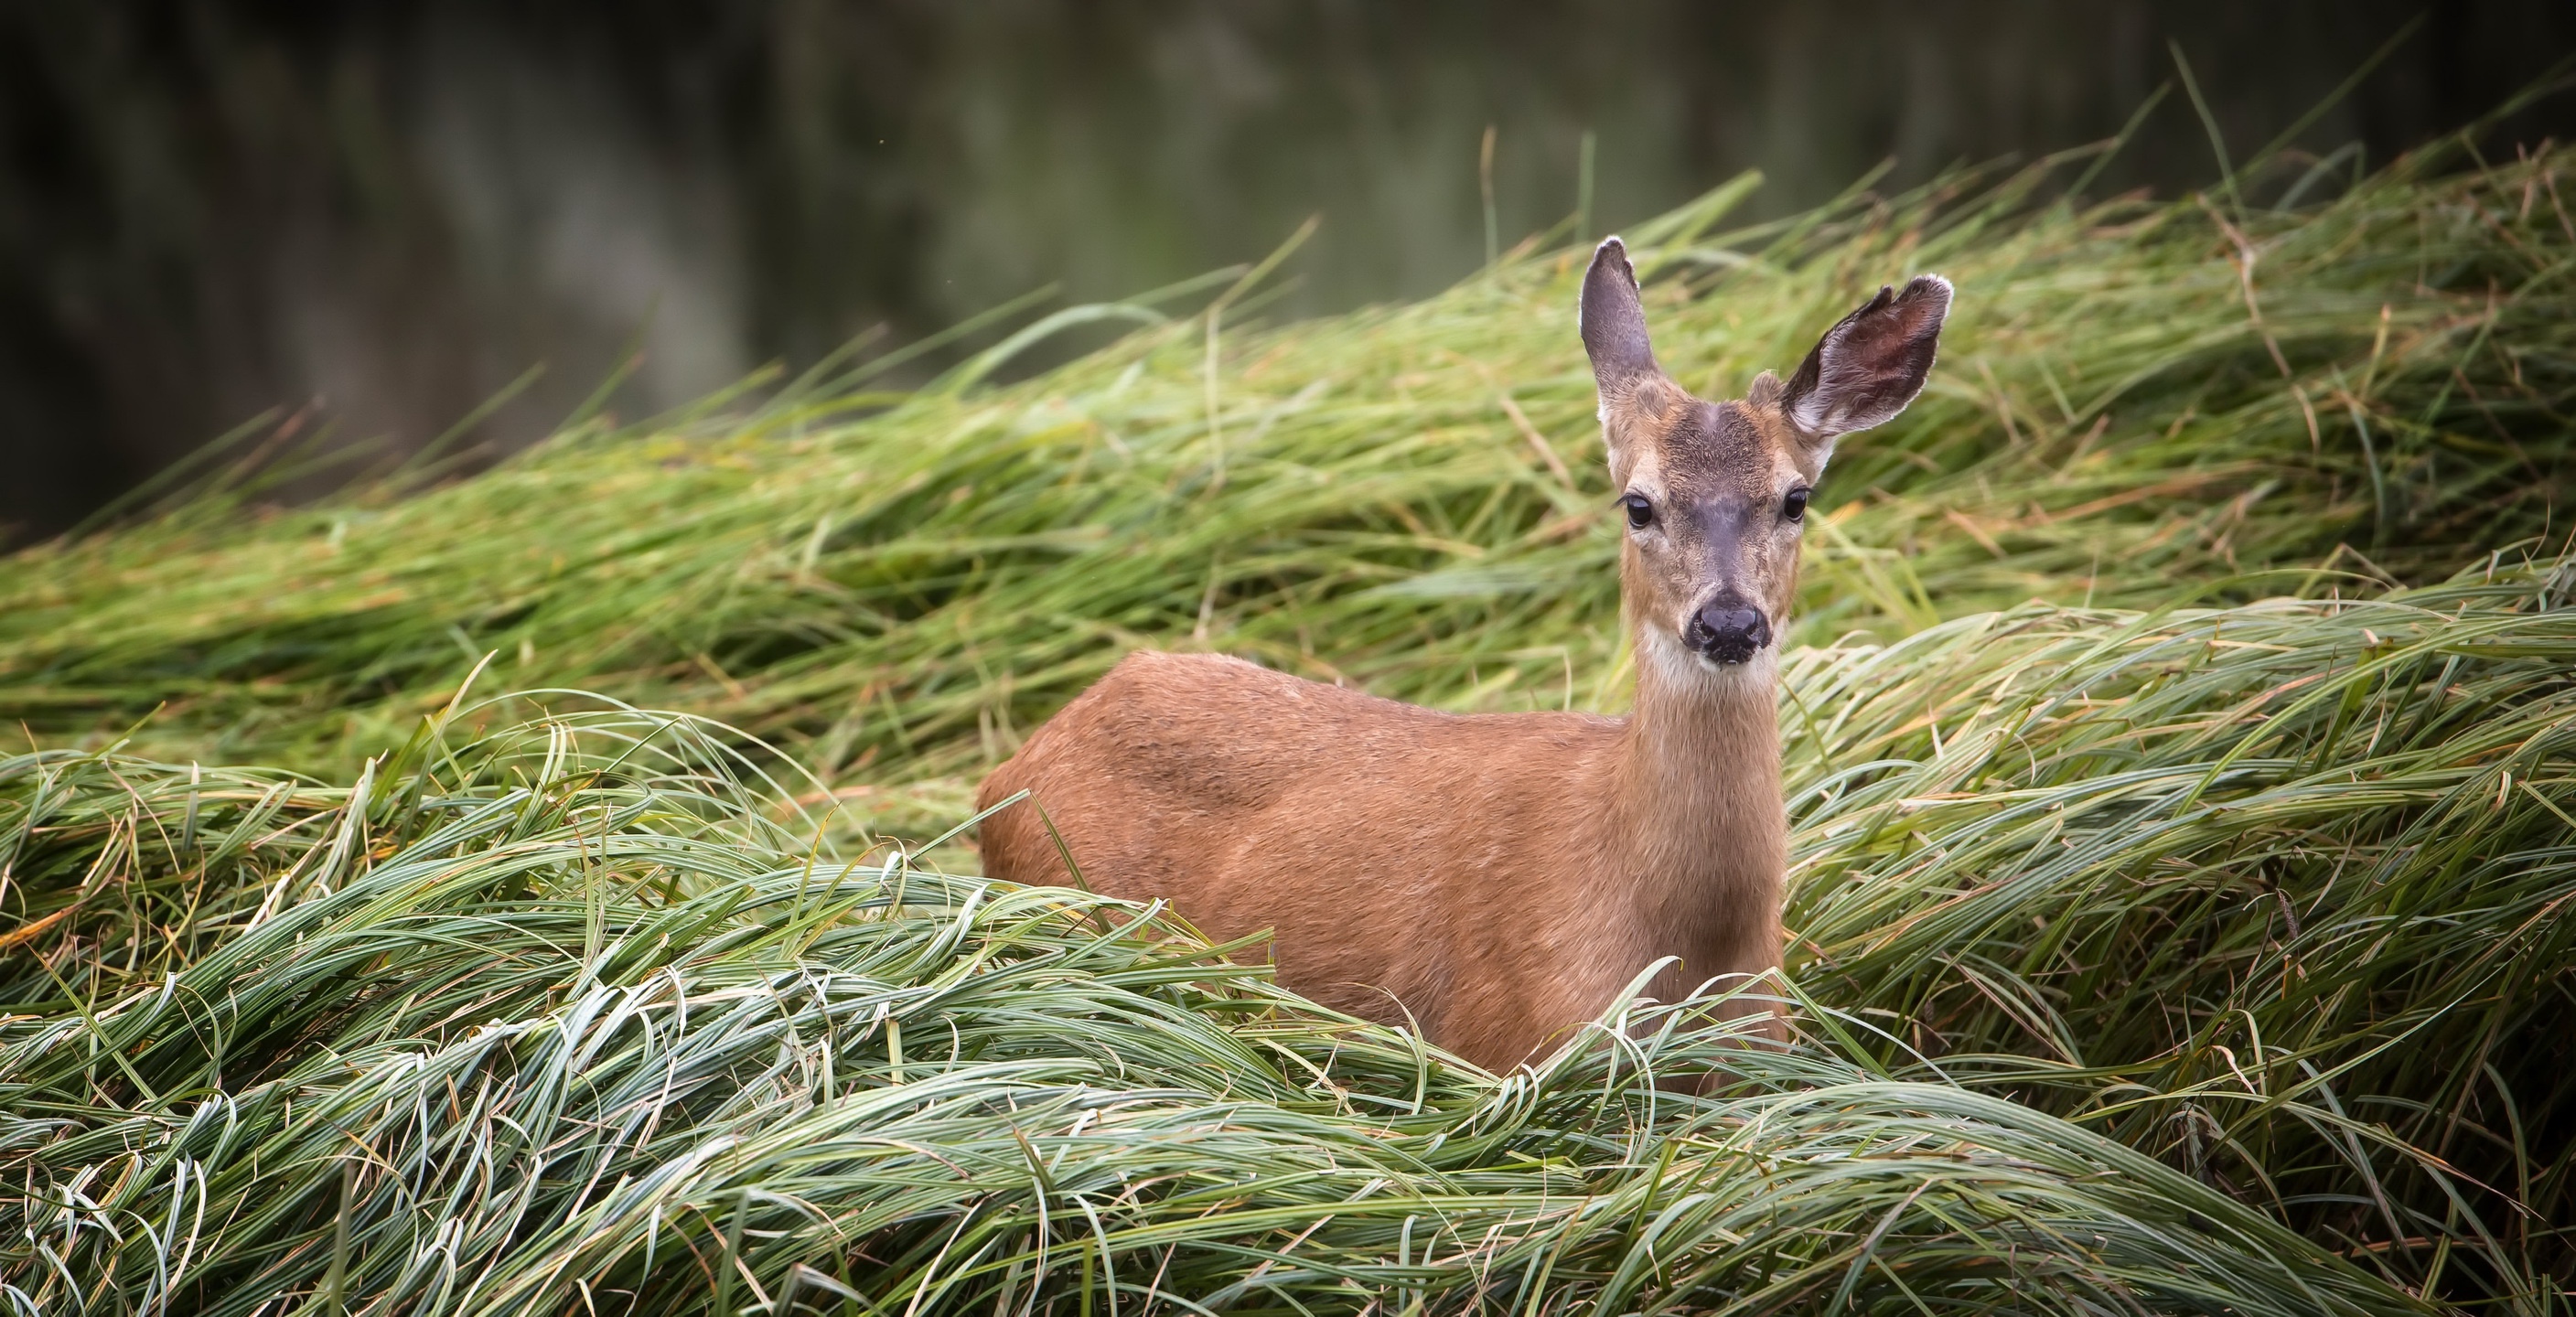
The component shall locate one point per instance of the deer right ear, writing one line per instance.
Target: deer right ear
(1613, 322)
(1865, 369)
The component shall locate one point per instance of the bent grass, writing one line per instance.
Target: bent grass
(894, 587)
(2182, 936)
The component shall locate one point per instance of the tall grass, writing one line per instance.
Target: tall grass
(2179, 752)
(570, 1017)
(2300, 868)
(2134, 397)
(2196, 961)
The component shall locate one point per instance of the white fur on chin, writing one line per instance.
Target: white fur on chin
(1681, 669)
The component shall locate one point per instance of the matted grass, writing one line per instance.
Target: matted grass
(573, 1018)
(2162, 962)
(2278, 890)
(2151, 955)
(2133, 398)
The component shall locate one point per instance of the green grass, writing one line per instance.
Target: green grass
(921, 577)
(2197, 969)
(2276, 890)
(2184, 820)
(575, 1006)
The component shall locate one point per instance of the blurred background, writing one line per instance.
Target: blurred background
(375, 218)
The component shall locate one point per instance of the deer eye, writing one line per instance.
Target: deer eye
(1794, 507)
(1639, 510)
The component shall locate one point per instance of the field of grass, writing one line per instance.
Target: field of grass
(2181, 740)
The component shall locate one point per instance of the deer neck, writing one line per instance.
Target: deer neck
(1704, 828)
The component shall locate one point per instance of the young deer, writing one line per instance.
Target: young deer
(1501, 877)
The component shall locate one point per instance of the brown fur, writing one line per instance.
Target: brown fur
(1497, 877)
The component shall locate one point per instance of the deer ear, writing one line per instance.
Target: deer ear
(1865, 369)
(1613, 322)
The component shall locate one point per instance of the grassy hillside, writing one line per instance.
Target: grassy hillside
(2180, 754)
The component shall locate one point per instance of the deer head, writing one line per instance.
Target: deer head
(1715, 494)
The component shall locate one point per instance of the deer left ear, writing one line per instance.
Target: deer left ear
(1867, 368)
(1613, 322)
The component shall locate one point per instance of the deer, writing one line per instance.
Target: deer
(1500, 880)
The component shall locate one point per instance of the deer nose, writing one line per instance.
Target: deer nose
(1728, 630)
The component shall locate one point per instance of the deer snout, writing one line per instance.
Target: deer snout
(1727, 630)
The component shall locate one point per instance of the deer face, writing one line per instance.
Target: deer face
(1714, 495)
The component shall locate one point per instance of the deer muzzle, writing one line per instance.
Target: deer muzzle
(1727, 629)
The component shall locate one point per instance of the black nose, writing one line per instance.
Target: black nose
(1728, 630)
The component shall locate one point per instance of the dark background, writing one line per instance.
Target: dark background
(381, 214)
